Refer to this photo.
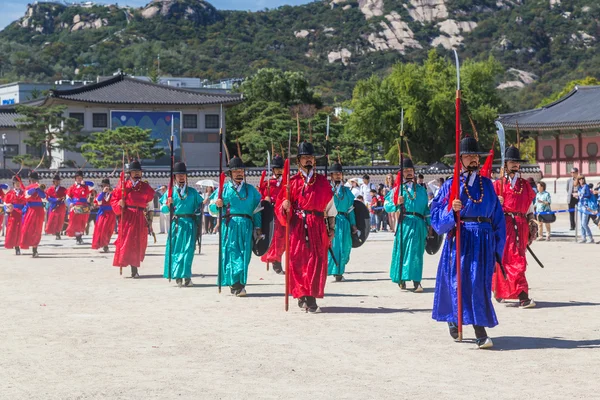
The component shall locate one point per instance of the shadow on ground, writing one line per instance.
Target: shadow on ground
(530, 343)
(368, 310)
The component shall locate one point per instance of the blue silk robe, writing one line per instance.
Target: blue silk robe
(480, 242)
(237, 230)
(342, 241)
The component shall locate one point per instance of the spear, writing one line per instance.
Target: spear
(327, 147)
(399, 188)
(286, 182)
(122, 197)
(220, 196)
(454, 196)
(170, 196)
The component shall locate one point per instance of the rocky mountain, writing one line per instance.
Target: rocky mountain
(541, 43)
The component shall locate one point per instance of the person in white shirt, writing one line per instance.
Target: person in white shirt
(365, 189)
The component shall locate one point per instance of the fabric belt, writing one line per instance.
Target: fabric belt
(137, 208)
(414, 214)
(480, 220)
(315, 213)
(35, 204)
(515, 214)
(78, 200)
(303, 214)
(19, 206)
(228, 216)
(193, 216)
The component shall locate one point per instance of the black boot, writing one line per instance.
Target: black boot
(35, 253)
(105, 249)
(482, 339)
(58, 236)
(134, 272)
(453, 330)
(17, 250)
(525, 301)
(339, 278)
(302, 302)
(311, 305)
(418, 287)
(278, 268)
(78, 239)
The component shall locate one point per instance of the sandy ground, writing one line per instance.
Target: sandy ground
(72, 328)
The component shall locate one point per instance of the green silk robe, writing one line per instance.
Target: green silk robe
(342, 241)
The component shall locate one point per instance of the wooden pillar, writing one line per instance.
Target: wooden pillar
(558, 155)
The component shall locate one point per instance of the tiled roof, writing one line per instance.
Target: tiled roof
(576, 110)
(122, 89)
(8, 118)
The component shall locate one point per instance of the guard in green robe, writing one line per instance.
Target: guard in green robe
(184, 227)
(411, 232)
(345, 225)
(241, 225)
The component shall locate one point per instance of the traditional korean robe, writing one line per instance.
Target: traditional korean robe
(106, 219)
(16, 197)
(518, 197)
(480, 243)
(184, 228)
(272, 188)
(240, 218)
(311, 202)
(33, 218)
(411, 245)
(78, 197)
(56, 213)
(131, 243)
(342, 241)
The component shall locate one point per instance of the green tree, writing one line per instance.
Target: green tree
(427, 94)
(105, 149)
(48, 130)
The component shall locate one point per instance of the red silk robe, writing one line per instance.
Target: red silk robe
(272, 188)
(13, 224)
(78, 195)
(131, 243)
(33, 221)
(1, 208)
(56, 215)
(517, 200)
(308, 258)
(105, 223)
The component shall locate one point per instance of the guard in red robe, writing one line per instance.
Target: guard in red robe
(14, 203)
(106, 219)
(516, 196)
(131, 243)
(312, 215)
(56, 195)
(79, 208)
(34, 212)
(269, 191)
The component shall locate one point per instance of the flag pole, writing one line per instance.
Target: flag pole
(456, 184)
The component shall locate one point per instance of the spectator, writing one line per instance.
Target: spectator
(572, 196)
(389, 181)
(360, 198)
(355, 189)
(366, 188)
(373, 207)
(383, 219)
(586, 208)
(433, 187)
(389, 186)
(542, 205)
(421, 181)
(163, 217)
(209, 220)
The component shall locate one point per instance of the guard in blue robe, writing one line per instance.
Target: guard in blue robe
(241, 224)
(345, 225)
(483, 234)
(184, 227)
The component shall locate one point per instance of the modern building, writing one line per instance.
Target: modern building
(567, 135)
(21, 92)
(195, 117)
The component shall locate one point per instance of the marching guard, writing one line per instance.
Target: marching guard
(516, 196)
(483, 232)
(79, 208)
(56, 195)
(270, 191)
(413, 222)
(130, 200)
(185, 227)
(240, 226)
(14, 202)
(33, 218)
(312, 215)
(106, 219)
(345, 225)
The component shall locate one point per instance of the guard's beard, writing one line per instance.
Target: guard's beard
(514, 171)
(472, 168)
(136, 178)
(307, 167)
(278, 176)
(409, 178)
(337, 182)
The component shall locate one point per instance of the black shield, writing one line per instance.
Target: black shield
(262, 244)
(433, 242)
(363, 223)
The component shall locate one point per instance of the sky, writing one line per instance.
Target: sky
(15, 9)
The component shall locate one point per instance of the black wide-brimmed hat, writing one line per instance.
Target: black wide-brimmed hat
(16, 178)
(179, 168)
(56, 177)
(79, 173)
(134, 166)
(306, 149)
(407, 163)
(337, 167)
(34, 175)
(513, 154)
(236, 163)
(469, 145)
(277, 162)
(106, 181)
